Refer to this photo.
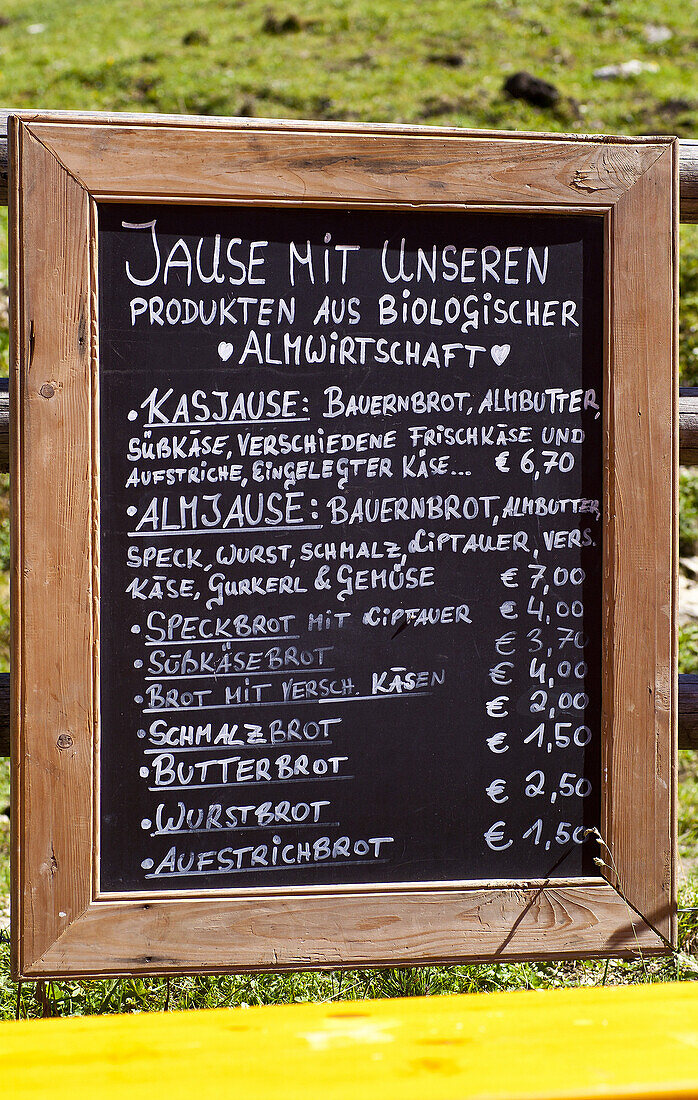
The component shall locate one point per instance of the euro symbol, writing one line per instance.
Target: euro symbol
(496, 790)
(508, 577)
(496, 740)
(495, 837)
(507, 610)
(505, 644)
(495, 707)
(501, 462)
(498, 674)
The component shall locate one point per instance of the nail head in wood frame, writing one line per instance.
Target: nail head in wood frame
(344, 620)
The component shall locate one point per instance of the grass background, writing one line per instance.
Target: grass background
(431, 62)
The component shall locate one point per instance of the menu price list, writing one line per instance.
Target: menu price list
(351, 516)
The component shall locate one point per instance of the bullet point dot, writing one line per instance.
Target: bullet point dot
(144, 773)
(138, 698)
(131, 510)
(135, 629)
(147, 864)
(133, 415)
(146, 823)
(140, 733)
(138, 664)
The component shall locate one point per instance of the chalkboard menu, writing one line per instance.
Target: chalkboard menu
(344, 466)
(351, 485)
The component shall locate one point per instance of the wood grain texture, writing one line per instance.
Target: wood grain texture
(688, 426)
(325, 166)
(688, 711)
(640, 553)
(394, 928)
(688, 165)
(688, 150)
(4, 425)
(4, 159)
(63, 926)
(52, 715)
(556, 1044)
(4, 714)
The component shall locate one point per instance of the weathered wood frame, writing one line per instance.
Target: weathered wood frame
(59, 169)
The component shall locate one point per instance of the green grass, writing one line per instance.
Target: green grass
(236, 991)
(435, 62)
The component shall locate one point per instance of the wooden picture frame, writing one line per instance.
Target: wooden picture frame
(60, 167)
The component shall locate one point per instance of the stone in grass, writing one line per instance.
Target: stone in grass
(531, 89)
(287, 24)
(450, 60)
(676, 106)
(656, 35)
(625, 70)
(195, 38)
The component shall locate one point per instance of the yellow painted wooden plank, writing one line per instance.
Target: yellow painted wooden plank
(629, 1042)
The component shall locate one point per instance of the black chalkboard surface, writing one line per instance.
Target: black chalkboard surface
(350, 482)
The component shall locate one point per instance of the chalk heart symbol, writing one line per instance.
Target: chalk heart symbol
(225, 350)
(499, 353)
